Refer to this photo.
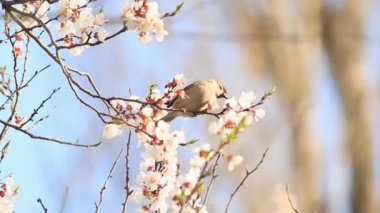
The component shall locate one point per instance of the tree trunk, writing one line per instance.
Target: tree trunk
(343, 40)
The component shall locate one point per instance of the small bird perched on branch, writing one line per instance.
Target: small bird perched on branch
(196, 96)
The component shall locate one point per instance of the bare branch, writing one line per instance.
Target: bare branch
(127, 177)
(248, 173)
(33, 76)
(35, 111)
(26, 132)
(42, 205)
(213, 177)
(97, 205)
(290, 200)
(35, 123)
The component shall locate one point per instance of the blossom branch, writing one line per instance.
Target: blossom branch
(88, 43)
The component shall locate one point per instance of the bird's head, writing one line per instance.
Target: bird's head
(220, 90)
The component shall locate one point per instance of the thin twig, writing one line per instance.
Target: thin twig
(127, 177)
(33, 76)
(213, 177)
(97, 205)
(65, 197)
(248, 173)
(35, 111)
(35, 123)
(46, 138)
(22, 86)
(290, 200)
(42, 205)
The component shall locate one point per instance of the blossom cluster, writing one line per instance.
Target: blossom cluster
(8, 193)
(143, 17)
(79, 25)
(158, 167)
(161, 184)
(237, 115)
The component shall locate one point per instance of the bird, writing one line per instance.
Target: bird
(196, 96)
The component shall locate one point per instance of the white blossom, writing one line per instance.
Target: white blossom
(231, 104)
(99, 19)
(246, 99)
(119, 105)
(133, 106)
(8, 197)
(233, 161)
(147, 111)
(136, 195)
(162, 130)
(112, 130)
(258, 114)
(76, 51)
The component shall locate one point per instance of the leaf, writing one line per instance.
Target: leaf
(193, 141)
(101, 10)
(270, 92)
(5, 148)
(118, 121)
(179, 7)
(16, 191)
(3, 69)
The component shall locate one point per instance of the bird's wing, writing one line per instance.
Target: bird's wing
(171, 103)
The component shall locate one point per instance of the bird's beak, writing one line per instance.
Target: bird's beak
(223, 95)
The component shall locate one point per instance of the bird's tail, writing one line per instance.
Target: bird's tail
(169, 117)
